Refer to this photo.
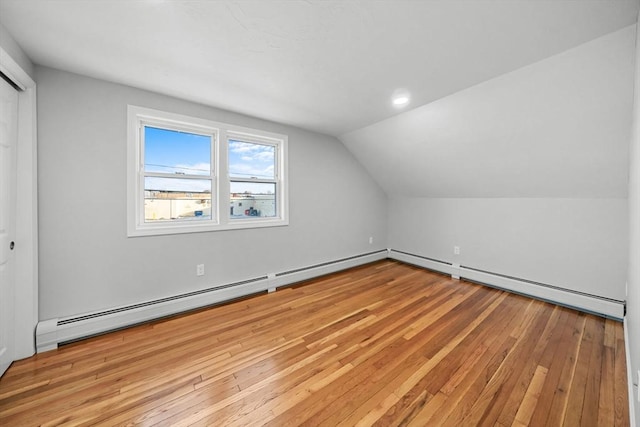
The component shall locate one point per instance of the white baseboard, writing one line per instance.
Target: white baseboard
(633, 390)
(584, 302)
(424, 262)
(51, 332)
(298, 275)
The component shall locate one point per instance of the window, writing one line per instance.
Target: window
(178, 177)
(253, 182)
(183, 171)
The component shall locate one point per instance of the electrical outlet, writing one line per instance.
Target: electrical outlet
(371, 240)
(456, 250)
(200, 270)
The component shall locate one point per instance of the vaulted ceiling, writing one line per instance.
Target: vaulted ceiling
(557, 128)
(498, 102)
(328, 66)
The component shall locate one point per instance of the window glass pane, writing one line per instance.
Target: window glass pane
(175, 199)
(252, 199)
(250, 160)
(180, 153)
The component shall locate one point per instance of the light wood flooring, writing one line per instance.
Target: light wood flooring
(383, 344)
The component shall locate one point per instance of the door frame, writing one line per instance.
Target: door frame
(26, 237)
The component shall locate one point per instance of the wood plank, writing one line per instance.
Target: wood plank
(621, 409)
(542, 353)
(530, 400)
(489, 404)
(552, 402)
(459, 361)
(395, 389)
(459, 403)
(578, 387)
(590, 413)
(382, 344)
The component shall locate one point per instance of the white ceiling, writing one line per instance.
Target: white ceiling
(557, 128)
(327, 66)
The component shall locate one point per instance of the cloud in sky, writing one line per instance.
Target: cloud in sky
(246, 160)
(251, 160)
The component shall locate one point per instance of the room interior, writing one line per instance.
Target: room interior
(514, 162)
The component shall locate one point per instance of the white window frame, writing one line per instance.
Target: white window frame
(258, 140)
(220, 219)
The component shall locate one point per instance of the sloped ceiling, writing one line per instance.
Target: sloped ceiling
(328, 66)
(508, 98)
(557, 128)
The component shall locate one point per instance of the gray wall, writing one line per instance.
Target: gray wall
(578, 244)
(15, 52)
(633, 296)
(558, 128)
(526, 172)
(20, 68)
(86, 260)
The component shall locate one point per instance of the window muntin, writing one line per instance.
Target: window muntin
(175, 162)
(253, 179)
(182, 170)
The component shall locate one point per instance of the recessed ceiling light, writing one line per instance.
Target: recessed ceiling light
(400, 100)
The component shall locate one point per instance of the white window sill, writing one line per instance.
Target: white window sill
(187, 227)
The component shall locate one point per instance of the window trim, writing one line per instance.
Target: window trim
(220, 193)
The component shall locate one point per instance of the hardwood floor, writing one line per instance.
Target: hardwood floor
(383, 344)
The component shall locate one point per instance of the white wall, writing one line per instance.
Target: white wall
(87, 262)
(526, 172)
(18, 67)
(556, 128)
(633, 297)
(576, 244)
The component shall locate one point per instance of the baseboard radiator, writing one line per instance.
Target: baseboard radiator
(595, 304)
(52, 332)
